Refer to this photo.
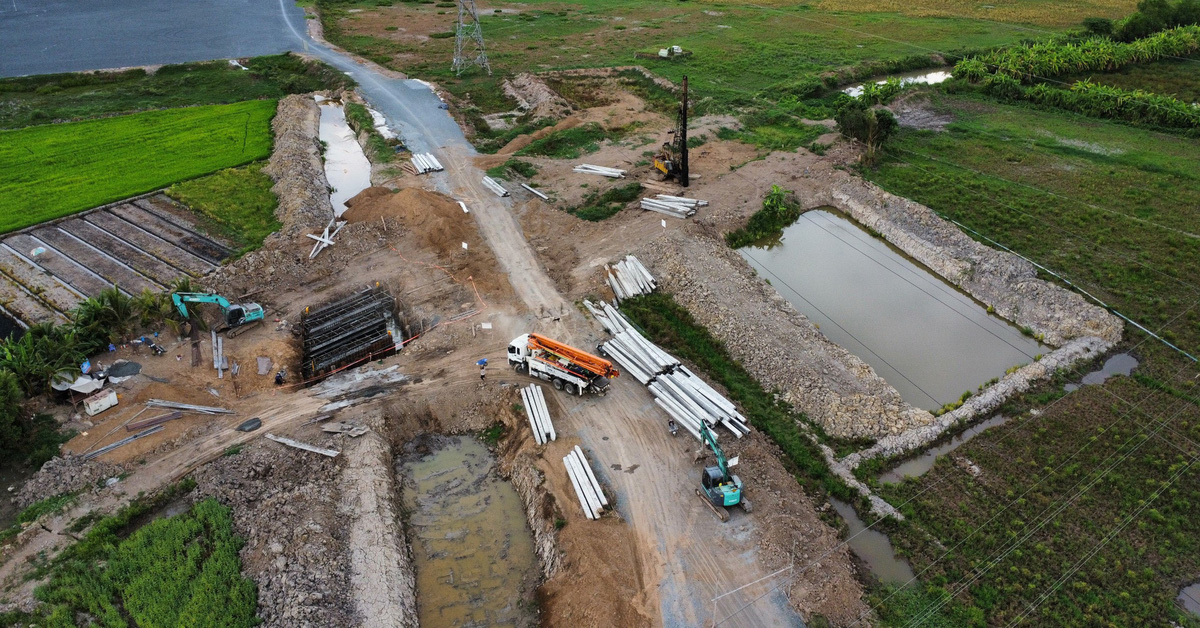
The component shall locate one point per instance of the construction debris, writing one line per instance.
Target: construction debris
(612, 173)
(494, 186)
(162, 418)
(536, 193)
(173, 405)
(264, 365)
(539, 415)
(676, 206)
(349, 428)
(100, 402)
(121, 443)
(629, 278)
(326, 238)
(305, 446)
(678, 391)
(587, 488)
(426, 162)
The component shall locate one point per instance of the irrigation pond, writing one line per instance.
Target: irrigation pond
(919, 333)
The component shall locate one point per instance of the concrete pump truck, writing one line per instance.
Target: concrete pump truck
(564, 366)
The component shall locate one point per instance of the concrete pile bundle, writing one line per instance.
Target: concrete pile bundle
(426, 162)
(629, 278)
(539, 414)
(676, 206)
(494, 186)
(677, 390)
(612, 173)
(587, 488)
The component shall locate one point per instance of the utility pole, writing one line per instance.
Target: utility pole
(683, 147)
(469, 35)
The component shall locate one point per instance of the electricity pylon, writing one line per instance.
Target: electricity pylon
(469, 34)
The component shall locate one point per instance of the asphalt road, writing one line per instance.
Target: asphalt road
(50, 36)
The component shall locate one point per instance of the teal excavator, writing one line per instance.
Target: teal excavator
(719, 488)
(238, 317)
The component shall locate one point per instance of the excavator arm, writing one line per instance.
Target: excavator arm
(716, 449)
(182, 298)
(591, 363)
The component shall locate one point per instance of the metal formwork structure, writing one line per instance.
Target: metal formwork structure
(349, 330)
(468, 40)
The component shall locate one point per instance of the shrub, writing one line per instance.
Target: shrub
(599, 206)
(780, 209)
(567, 143)
(872, 127)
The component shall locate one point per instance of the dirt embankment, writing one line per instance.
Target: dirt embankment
(65, 475)
(534, 97)
(295, 165)
(778, 345)
(283, 501)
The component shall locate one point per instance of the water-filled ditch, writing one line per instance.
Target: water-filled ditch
(471, 544)
(920, 334)
(346, 166)
(924, 77)
(873, 547)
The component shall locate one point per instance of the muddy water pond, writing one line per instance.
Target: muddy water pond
(471, 544)
(918, 332)
(924, 77)
(346, 165)
(873, 548)
(1120, 364)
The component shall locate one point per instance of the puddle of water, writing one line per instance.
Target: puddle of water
(918, 332)
(473, 550)
(346, 165)
(1189, 597)
(873, 547)
(914, 467)
(1120, 364)
(922, 76)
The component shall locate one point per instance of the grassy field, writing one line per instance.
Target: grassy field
(177, 571)
(55, 170)
(1052, 13)
(238, 201)
(1102, 203)
(48, 98)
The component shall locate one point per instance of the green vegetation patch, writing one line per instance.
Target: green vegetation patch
(239, 201)
(56, 170)
(378, 148)
(513, 167)
(672, 327)
(178, 571)
(597, 206)
(49, 505)
(780, 209)
(569, 143)
(30, 100)
(1100, 203)
(1171, 77)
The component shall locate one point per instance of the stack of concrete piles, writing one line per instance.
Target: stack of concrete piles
(604, 171)
(676, 206)
(494, 186)
(629, 278)
(677, 390)
(426, 162)
(539, 414)
(587, 488)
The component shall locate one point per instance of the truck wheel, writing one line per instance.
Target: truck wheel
(519, 367)
(570, 388)
(558, 384)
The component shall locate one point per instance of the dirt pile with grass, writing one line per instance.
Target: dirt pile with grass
(65, 475)
(295, 165)
(534, 97)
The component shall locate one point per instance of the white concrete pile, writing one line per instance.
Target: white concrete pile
(676, 206)
(494, 186)
(326, 238)
(587, 488)
(629, 278)
(426, 162)
(539, 415)
(678, 391)
(604, 171)
(536, 193)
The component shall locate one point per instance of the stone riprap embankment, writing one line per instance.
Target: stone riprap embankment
(295, 165)
(780, 347)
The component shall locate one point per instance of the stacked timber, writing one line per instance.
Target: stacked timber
(612, 173)
(494, 186)
(426, 162)
(175, 405)
(677, 390)
(676, 206)
(587, 488)
(539, 414)
(629, 278)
